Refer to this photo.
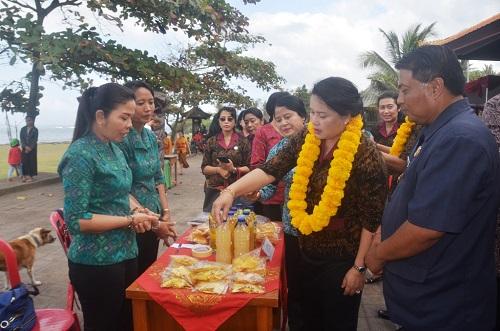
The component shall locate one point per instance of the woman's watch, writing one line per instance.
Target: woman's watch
(360, 269)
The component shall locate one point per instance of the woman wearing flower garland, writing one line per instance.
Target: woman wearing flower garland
(336, 199)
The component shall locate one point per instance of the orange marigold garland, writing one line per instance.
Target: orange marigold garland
(338, 174)
(401, 138)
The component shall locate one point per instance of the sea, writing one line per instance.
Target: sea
(46, 134)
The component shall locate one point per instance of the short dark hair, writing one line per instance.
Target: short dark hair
(106, 98)
(293, 103)
(137, 84)
(431, 61)
(340, 95)
(271, 103)
(254, 111)
(215, 128)
(388, 95)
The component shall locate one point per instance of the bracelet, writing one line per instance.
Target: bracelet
(166, 210)
(228, 190)
(130, 219)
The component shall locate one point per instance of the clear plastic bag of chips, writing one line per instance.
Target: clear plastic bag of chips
(177, 277)
(217, 287)
(247, 278)
(182, 260)
(247, 288)
(207, 271)
(250, 263)
(267, 230)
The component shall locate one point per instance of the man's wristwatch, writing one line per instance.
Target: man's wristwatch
(359, 269)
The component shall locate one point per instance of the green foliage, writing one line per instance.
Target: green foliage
(478, 73)
(71, 55)
(384, 76)
(304, 94)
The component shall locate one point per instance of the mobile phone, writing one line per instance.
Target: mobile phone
(223, 159)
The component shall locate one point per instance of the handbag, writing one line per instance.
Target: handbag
(17, 311)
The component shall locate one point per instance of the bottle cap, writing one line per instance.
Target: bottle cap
(241, 218)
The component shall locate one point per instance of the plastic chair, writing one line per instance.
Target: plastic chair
(57, 221)
(59, 225)
(47, 319)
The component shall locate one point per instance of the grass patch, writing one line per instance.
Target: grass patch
(49, 156)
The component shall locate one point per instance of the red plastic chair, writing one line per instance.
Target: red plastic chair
(57, 222)
(47, 319)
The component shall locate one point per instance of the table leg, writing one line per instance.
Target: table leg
(140, 315)
(264, 318)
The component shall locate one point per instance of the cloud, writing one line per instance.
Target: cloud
(309, 40)
(311, 44)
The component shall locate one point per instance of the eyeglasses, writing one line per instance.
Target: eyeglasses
(226, 119)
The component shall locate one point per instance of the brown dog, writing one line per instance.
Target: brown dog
(25, 249)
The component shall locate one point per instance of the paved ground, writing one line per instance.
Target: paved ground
(24, 210)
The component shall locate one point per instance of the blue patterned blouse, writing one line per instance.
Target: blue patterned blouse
(96, 180)
(141, 153)
(268, 191)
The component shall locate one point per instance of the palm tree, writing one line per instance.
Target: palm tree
(384, 77)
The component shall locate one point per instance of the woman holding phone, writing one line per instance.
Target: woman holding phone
(226, 157)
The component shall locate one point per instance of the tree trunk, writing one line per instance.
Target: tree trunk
(34, 86)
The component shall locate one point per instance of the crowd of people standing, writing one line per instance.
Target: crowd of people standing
(417, 198)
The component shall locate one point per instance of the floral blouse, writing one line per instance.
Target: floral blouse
(362, 205)
(141, 153)
(491, 117)
(238, 151)
(96, 180)
(269, 190)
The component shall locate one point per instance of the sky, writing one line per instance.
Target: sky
(307, 40)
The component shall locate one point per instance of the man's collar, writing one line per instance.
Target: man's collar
(446, 115)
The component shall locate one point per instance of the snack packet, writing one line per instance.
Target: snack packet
(182, 260)
(247, 288)
(250, 262)
(218, 287)
(207, 271)
(267, 230)
(178, 277)
(247, 278)
(200, 234)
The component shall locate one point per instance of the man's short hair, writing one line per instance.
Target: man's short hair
(388, 95)
(431, 61)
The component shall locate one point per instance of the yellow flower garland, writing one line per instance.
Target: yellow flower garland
(339, 173)
(401, 138)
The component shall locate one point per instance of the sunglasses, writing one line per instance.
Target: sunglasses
(226, 119)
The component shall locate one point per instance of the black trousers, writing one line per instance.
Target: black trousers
(101, 291)
(147, 243)
(293, 275)
(324, 306)
(498, 304)
(29, 163)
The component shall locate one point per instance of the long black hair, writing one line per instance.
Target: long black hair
(105, 97)
(215, 128)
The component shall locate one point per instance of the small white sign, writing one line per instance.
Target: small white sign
(268, 248)
(177, 245)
